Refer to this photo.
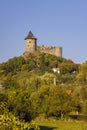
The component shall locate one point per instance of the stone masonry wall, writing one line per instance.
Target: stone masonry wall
(57, 51)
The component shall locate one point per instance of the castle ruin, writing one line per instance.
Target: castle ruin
(31, 46)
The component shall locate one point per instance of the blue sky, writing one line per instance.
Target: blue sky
(53, 22)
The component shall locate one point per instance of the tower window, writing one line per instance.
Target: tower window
(29, 41)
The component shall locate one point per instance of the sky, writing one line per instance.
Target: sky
(53, 22)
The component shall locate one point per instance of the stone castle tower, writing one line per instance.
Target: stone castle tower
(31, 46)
(31, 42)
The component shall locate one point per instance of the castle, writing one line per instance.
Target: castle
(31, 46)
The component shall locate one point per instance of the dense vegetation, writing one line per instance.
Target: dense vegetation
(29, 89)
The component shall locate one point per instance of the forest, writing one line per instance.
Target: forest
(30, 90)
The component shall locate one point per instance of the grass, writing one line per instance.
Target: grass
(61, 125)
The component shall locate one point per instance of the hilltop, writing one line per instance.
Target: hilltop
(38, 67)
(38, 62)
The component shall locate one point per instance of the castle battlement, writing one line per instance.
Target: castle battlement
(57, 51)
(31, 46)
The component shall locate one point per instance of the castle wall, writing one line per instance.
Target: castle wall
(57, 51)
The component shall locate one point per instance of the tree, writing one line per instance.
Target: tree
(19, 104)
(51, 100)
(10, 122)
(84, 108)
(13, 65)
(82, 75)
(10, 82)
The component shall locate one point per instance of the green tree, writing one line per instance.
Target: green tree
(52, 101)
(13, 65)
(19, 104)
(84, 108)
(82, 75)
(10, 82)
(10, 122)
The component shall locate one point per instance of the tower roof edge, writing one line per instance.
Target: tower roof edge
(30, 36)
